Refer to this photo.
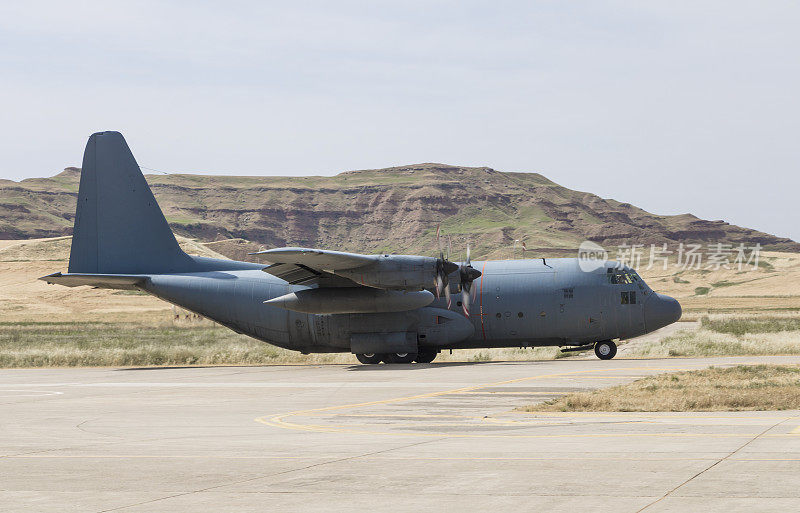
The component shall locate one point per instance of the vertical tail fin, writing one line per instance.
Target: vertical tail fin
(119, 227)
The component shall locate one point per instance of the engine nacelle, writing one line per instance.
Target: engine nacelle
(407, 272)
(341, 300)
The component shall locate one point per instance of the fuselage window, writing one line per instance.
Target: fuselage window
(624, 297)
(632, 295)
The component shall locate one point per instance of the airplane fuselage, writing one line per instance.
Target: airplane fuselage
(516, 303)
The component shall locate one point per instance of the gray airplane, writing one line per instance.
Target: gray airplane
(382, 308)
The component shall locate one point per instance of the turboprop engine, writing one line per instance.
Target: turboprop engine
(399, 272)
(398, 281)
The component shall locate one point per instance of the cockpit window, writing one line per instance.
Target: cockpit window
(622, 276)
(626, 276)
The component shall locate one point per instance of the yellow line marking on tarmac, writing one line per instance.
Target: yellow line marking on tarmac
(613, 377)
(279, 421)
(388, 457)
(401, 415)
(159, 456)
(488, 392)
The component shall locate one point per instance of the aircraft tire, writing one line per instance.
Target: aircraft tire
(398, 357)
(605, 349)
(369, 359)
(425, 357)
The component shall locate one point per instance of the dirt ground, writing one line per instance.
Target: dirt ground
(773, 287)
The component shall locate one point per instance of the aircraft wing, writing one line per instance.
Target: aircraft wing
(299, 274)
(319, 259)
(308, 266)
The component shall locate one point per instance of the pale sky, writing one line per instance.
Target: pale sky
(674, 106)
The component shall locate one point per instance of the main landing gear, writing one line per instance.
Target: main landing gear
(374, 358)
(605, 349)
(369, 358)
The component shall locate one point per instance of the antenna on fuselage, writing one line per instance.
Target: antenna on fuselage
(545, 263)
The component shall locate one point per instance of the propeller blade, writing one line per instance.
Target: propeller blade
(449, 247)
(447, 295)
(467, 274)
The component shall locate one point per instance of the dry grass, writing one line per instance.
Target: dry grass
(113, 344)
(130, 344)
(745, 325)
(728, 335)
(745, 387)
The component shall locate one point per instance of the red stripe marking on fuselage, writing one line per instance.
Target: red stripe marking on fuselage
(483, 273)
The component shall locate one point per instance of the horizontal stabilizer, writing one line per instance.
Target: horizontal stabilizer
(103, 281)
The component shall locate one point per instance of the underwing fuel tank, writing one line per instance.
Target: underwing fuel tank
(342, 300)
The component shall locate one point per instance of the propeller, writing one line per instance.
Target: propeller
(443, 268)
(467, 274)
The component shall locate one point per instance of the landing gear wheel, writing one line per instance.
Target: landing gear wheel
(369, 358)
(398, 357)
(605, 350)
(425, 357)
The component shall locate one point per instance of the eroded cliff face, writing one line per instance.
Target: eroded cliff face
(386, 210)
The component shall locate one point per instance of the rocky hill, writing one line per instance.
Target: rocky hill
(384, 210)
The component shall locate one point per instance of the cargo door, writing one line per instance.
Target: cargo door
(580, 314)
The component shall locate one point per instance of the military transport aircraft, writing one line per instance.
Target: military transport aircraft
(382, 308)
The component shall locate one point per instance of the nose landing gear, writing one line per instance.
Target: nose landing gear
(605, 349)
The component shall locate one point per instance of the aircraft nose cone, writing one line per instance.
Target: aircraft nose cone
(661, 310)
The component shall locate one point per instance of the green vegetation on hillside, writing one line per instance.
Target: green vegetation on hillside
(394, 209)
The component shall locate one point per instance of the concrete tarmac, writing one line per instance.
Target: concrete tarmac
(439, 437)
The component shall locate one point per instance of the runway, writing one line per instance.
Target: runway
(439, 437)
